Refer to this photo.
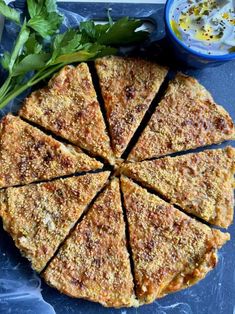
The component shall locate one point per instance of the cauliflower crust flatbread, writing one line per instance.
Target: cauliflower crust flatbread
(40, 216)
(69, 108)
(170, 250)
(187, 117)
(128, 86)
(200, 183)
(94, 262)
(27, 155)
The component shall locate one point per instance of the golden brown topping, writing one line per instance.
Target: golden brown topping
(187, 117)
(39, 216)
(28, 155)
(128, 87)
(69, 108)
(94, 262)
(200, 183)
(170, 250)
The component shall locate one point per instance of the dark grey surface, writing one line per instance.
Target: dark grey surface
(20, 287)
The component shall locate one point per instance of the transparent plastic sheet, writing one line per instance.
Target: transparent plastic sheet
(20, 287)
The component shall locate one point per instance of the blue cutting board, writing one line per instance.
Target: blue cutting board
(20, 287)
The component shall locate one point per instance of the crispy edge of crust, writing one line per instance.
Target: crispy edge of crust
(222, 219)
(190, 277)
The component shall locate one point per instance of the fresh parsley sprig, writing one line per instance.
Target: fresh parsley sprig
(40, 50)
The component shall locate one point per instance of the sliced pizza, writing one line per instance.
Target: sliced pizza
(69, 108)
(39, 216)
(170, 250)
(200, 183)
(27, 155)
(187, 117)
(94, 262)
(128, 87)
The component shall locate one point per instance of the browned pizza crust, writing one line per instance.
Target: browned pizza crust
(27, 155)
(171, 251)
(200, 183)
(94, 262)
(39, 216)
(187, 117)
(69, 108)
(128, 86)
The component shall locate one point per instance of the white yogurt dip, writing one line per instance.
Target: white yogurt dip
(205, 26)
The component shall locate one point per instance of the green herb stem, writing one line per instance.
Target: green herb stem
(5, 87)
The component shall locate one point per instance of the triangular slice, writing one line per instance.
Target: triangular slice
(200, 183)
(187, 117)
(39, 216)
(94, 263)
(170, 250)
(27, 155)
(69, 108)
(128, 86)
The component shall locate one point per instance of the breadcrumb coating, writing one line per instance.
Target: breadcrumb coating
(69, 108)
(27, 155)
(40, 216)
(75, 238)
(200, 183)
(128, 86)
(94, 262)
(170, 250)
(187, 117)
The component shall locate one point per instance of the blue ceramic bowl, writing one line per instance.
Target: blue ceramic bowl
(187, 55)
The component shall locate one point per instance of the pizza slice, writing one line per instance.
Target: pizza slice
(94, 263)
(187, 117)
(69, 108)
(170, 250)
(201, 183)
(39, 216)
(128, 87)
(27, 155)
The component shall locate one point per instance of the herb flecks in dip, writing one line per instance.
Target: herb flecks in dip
(205, 26)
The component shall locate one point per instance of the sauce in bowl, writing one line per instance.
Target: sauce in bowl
(205, 26)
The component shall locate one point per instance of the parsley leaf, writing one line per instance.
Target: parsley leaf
(30, 63)
(20, 41)
(67, 42)
(9, 13)
(45, 19)
(89, 52)
(121, 32)
(32, 45)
